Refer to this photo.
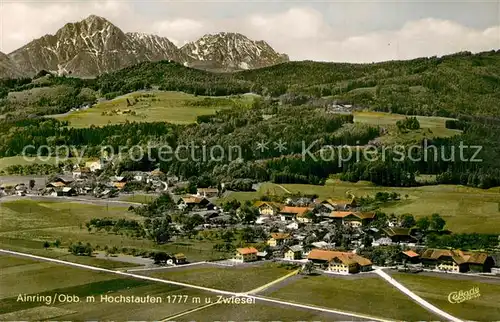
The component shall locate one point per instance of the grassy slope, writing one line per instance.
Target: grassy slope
(430, 127)
(164, 106)
(367, 295)
(436, 290)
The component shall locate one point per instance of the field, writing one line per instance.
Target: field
(26, 224)
(368, 295)
(429, 126)
(464, 209)
(20, 160)
(436, 289)
(138, 197)
(20, 276)
(43, 279)
(235, 279)
(151, 106)
(258, 312)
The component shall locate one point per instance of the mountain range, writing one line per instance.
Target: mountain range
(94, 46)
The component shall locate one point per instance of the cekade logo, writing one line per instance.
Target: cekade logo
(462, 296)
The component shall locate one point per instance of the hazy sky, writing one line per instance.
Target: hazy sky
(352, 31)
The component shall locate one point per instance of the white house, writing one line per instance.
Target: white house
(94, 165)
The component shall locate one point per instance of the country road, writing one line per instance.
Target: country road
(416, 298)
(337, 315)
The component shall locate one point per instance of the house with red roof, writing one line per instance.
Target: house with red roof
(246, 254)
(339, 262)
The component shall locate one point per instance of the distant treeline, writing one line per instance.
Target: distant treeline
(306, 133)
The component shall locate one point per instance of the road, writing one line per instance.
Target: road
(155, 268)
(93, 201)
(279, 280)
(416, 298)
(147, 262)
(284, 189)
(339, 315)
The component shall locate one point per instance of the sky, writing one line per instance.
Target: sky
(341, 31)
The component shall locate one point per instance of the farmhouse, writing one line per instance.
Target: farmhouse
(292, 213)
(79, 172)
(60, 191)
(157, 173)
(207, 192)
(58, 182)
(278, 239)
(409, 257)
(56, 185)
(179, 259)
(119, 184)
(247, 254)
(268, 208)
(353, 219)
(340, 205)
(457, 260)
(94, 165)
(339, 262)
(263, 255)
(68, 192)
(398, 234)
(293, 253)
(192, 202)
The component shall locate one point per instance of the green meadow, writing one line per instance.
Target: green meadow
(152, 106)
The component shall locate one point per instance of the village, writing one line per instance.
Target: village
(326, 235)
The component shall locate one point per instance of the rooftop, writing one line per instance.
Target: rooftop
(459, 256)
(295, 210)
(247, 250)
(344, 257)
(280, 236)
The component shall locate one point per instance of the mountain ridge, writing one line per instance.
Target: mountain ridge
(94, 46)
(242, 52)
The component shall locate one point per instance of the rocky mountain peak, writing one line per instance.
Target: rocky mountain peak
(232, 51)
(94, 46)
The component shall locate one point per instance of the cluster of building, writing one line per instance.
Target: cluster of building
(329, 261)
(306, 210)
(456, 261)
(332, 261)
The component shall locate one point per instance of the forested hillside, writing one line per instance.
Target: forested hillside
(239, 160)
(448, 86)
(464, 86)
(454, 85)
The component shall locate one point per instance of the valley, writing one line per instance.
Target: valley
(224, 181)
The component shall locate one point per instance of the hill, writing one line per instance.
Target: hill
(449, 86)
